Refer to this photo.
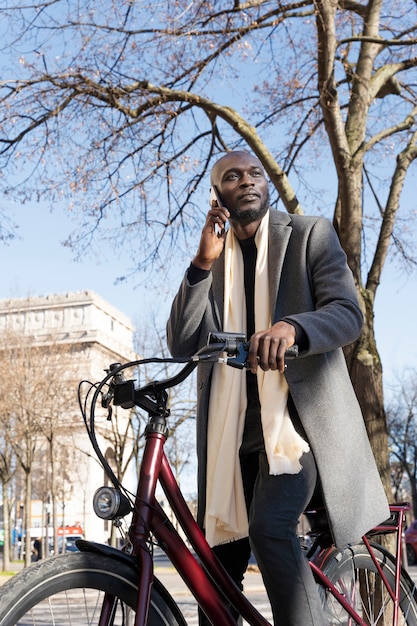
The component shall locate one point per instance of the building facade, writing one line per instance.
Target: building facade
(96, 335)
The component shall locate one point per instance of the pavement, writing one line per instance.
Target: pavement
(173, 582)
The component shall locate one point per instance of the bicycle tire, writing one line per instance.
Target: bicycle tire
(68, 589)
(353, 573)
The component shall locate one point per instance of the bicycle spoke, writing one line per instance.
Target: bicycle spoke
(78, 607)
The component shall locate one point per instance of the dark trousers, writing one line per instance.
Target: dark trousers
(275, 504)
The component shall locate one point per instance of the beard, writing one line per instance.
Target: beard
(246, 216)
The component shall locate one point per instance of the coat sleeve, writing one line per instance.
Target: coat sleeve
(324, 299)
(190, 307)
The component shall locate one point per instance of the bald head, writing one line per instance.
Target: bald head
(232, 157)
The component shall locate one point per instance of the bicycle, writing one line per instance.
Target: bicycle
(361, 584)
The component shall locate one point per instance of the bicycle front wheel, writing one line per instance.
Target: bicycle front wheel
(356, 577)
(69, 589)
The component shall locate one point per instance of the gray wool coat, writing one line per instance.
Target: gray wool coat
(311, 285)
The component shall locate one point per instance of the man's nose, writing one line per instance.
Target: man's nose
(246, 180)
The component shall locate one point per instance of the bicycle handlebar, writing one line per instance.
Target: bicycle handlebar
(153, 397)
(147, 397)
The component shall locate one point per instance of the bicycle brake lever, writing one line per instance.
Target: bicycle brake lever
(241, 360)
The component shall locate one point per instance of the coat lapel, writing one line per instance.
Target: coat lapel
(218, 289)
(279, 234)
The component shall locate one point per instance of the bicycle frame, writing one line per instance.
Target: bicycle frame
(209, 582)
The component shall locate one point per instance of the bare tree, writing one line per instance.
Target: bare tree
(33, 411)
(55, 395)
(20, 419)
(402, 434)
(120, 108)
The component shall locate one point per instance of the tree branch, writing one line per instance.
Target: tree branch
(404, 160)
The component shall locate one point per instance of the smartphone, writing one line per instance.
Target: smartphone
(215, 195)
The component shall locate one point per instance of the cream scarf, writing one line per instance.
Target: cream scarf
(226, 518)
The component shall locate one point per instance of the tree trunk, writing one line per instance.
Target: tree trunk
(28, 518)
(6, 528)
(54, 502)
(413, 486)
(346, 138)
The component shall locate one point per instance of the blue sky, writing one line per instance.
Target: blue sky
(38, 264)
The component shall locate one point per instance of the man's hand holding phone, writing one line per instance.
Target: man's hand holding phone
(214, 232)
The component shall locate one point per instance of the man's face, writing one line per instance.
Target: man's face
(240, 179)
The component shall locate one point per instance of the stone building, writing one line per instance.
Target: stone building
(97, 334)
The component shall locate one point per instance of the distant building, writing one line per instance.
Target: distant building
(81, 318)
(99, 334)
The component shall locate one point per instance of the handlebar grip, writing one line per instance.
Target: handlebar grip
(290, 353)
(235, 343)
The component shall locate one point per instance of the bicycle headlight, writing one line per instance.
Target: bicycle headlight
(110, 503)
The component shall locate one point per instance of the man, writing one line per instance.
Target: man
(284, 280)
